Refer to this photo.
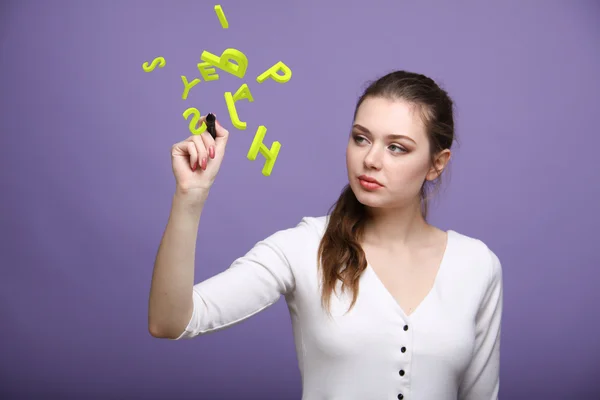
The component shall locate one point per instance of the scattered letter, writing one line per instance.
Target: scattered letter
(272, 73)
(258, 145)
(224, 62)
(221, 16)
(158, 60)
(194, 121)
(242, 93)
(187, 86)
(206, 69)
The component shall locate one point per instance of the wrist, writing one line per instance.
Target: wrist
(191, 198)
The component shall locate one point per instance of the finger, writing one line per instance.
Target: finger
(201, 121)
(222, 135)
(191, 149)
(180, 148)
(201, 150)
(209, 144)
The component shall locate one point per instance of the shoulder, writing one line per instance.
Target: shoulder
(317, 224)
(308, 229)
(475, 258)
(295, 246)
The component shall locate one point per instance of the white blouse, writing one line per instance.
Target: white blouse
(447, 349)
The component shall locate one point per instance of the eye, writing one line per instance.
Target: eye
(399, 149)
(358, 139)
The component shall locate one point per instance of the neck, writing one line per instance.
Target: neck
(395, 227)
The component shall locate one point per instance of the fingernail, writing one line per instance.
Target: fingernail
(195, 166)
(204, 163)
(212, 152)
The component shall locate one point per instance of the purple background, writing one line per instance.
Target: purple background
(87, 182)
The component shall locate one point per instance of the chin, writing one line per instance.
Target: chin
(370, 202)
(366, 198)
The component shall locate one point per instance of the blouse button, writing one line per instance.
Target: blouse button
(401, 372)
(403, 349)
(405, 327)
(400, 396)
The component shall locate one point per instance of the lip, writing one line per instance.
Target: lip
(369, 179)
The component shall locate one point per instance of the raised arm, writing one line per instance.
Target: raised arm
(195, 162)
(170, 304)
(177, 308)
(252, 282)
(482, 378)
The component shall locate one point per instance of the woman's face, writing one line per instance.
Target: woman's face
(388, 143)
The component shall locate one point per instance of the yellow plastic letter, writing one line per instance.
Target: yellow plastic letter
(242, 93)
(258, 145)
(224, 62)
(187, 86)
(235, 119)
(194, 121)
(221, 16)
(206, 69)
(158, 60)
(272, 73)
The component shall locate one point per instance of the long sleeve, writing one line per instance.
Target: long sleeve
(481, 380)
(252, 283)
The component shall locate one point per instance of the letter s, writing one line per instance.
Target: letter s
(158, 60)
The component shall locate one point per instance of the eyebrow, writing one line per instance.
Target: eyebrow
(390, 136)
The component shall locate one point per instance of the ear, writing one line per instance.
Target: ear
(439, 163)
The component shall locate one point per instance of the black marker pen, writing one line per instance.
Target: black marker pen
(210, 125)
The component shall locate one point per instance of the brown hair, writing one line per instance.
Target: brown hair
(342, 258)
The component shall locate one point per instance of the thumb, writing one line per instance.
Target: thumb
(222, 135)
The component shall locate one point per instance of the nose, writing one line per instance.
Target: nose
(373, 159)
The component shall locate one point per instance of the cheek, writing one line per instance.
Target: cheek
(407, 171)
(352, 155)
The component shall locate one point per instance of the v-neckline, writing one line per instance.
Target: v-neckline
(389, 295)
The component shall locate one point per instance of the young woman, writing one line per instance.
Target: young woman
(383, 304)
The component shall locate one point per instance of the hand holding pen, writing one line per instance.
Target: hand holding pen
(197, 159)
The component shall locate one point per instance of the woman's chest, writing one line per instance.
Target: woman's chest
(376, 330)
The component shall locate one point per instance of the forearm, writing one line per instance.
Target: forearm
(170, 303)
